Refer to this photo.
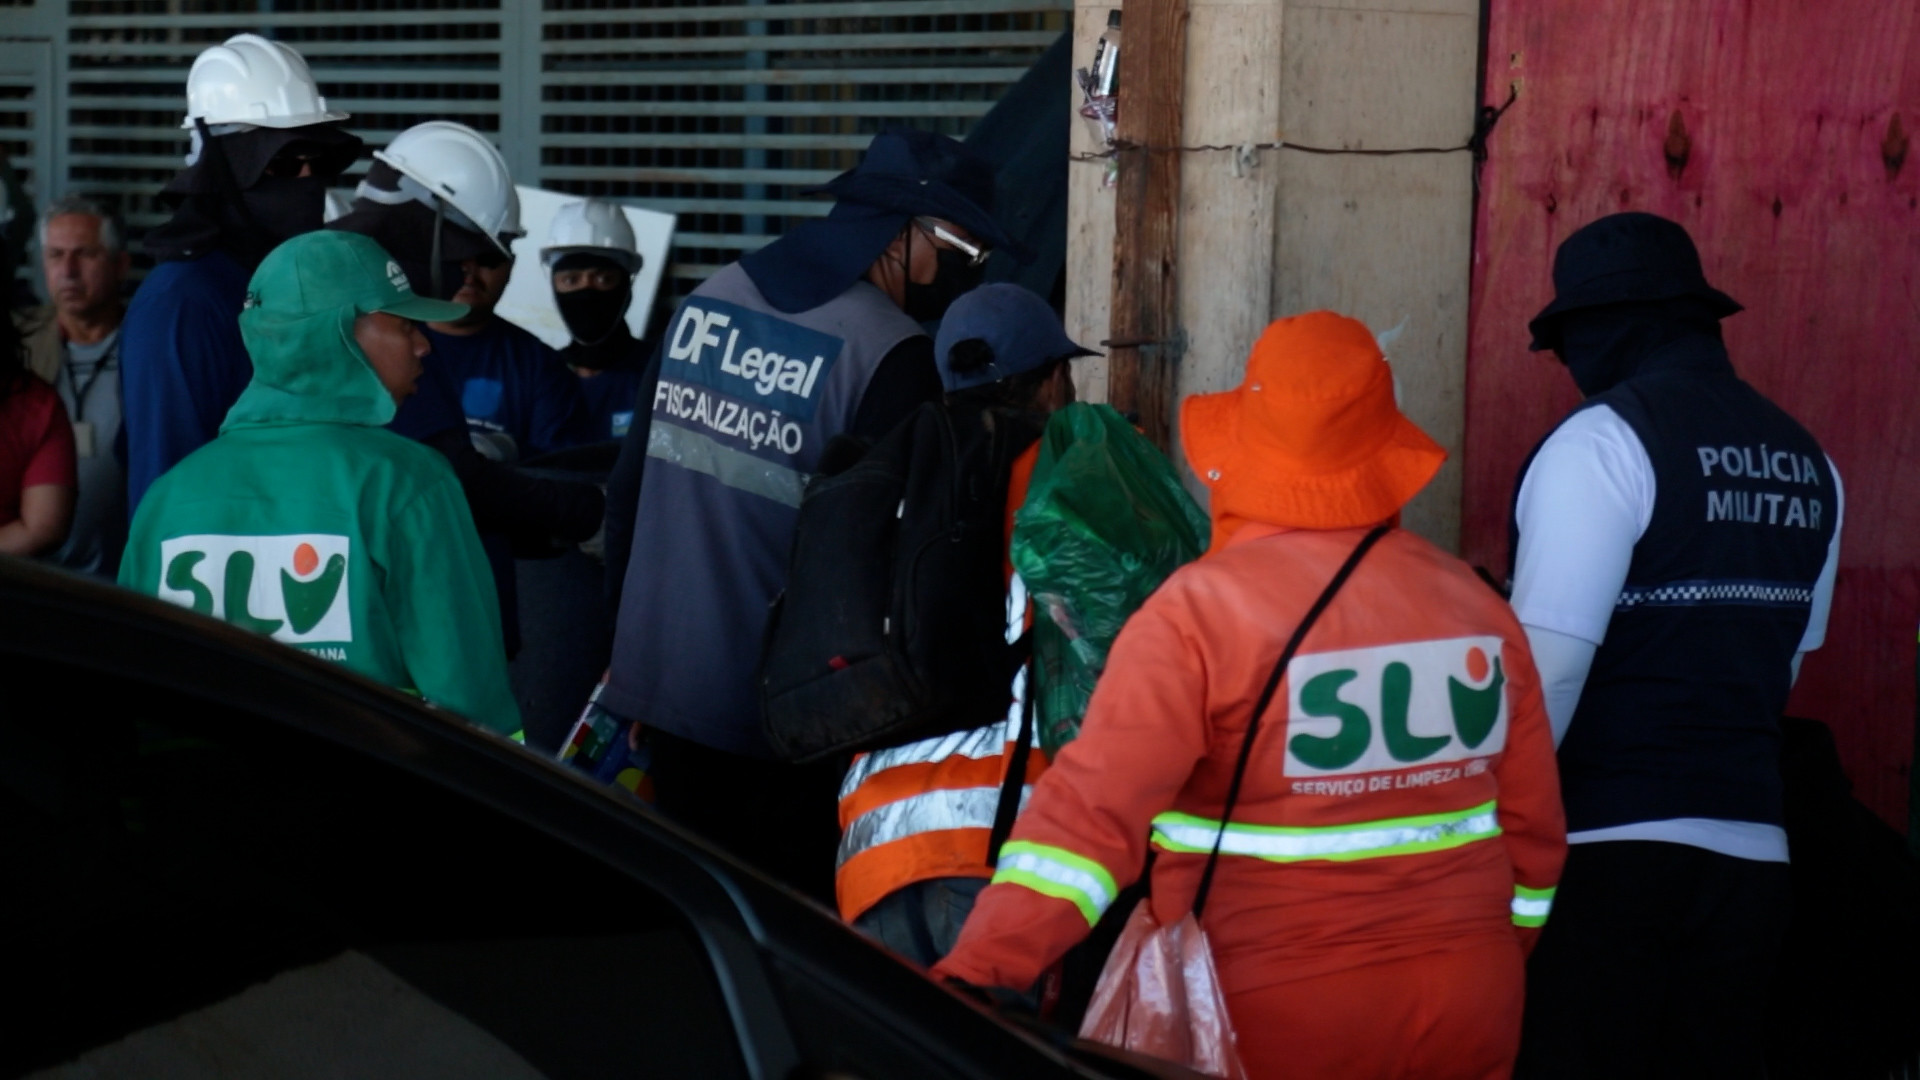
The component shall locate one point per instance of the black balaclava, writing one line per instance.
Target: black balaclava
(595, 317)
(953, 277)
(1604, 346)
(228, 203)
(287, 206)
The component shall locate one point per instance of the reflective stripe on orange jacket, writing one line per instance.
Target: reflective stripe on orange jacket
(1401, 798)
(925, 810)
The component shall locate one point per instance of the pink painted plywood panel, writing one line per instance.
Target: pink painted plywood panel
(1785, 110)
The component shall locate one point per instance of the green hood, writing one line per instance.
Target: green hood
(307, 369)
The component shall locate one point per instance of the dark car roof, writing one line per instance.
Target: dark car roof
(60, 617)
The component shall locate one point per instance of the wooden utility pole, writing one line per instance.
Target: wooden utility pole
(1145, 314)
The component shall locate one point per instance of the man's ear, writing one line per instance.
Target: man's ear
(896, 249)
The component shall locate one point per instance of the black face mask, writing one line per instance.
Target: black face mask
(953, 278)
(593, 315)
(1604, 346)
(286, 207)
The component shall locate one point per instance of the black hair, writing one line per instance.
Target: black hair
(1012, 392)
(1024, 387)
(969, 356)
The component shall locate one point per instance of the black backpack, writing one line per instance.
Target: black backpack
(892, 626)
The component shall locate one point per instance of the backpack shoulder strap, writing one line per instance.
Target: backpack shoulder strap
(1266, 698)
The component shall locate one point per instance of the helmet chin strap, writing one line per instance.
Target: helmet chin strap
(439, 216)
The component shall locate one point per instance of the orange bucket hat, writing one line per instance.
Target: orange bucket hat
(1312, 438)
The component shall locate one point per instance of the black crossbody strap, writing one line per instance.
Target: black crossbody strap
(1266, 698)
(1016, 781)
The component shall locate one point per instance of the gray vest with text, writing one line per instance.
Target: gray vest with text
(748, 398)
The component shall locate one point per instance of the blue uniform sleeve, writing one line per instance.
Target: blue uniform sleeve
(623, 486)
(183, 366)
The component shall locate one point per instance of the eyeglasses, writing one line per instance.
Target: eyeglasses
(975, 254)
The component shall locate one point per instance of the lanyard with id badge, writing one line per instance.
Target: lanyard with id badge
(84, 431)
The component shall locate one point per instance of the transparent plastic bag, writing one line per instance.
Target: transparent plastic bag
(1159, 994)
(1104, 522)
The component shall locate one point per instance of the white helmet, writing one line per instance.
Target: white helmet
(458, 166)
(255, 82)
(595, 228)
(339, 205)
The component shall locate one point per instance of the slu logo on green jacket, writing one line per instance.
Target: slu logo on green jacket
(293, 588)
(1395, 707)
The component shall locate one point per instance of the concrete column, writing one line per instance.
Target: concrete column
(1384, 239)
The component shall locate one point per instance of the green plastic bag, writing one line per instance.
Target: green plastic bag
(1105, 521)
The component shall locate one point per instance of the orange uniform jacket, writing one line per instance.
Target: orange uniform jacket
(925, 810)
(1402, 797)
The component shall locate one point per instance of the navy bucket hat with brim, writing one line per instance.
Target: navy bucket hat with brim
(906, 173)
(1625, 258)
(922, 174)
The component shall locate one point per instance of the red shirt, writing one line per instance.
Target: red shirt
(36, 444)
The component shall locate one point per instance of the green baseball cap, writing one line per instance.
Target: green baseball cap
(327, 270)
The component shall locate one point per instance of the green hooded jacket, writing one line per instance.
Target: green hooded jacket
(307, 521)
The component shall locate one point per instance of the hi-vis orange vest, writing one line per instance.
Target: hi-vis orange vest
(1401, 797)
(925, 810)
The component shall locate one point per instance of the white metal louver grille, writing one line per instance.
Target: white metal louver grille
(26, 90)
(128, 60)
(717, 111)
(722, 112)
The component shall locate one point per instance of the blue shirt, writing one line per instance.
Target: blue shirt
(182, 363)
(611, 399)
(512, 384)
(433, 407)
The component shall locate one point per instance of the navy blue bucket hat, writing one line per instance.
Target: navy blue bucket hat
(906, 173)
(1625, 258)
(919, 173)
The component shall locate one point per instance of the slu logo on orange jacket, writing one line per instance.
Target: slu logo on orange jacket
(293, 588)
(1395, 706)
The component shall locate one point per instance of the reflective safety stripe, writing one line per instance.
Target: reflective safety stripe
(1058, 873)
(1339, 843)
(981, 742)
(953, 808)
(735, 468)
(1530, 906)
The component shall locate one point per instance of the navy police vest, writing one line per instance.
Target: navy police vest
(1680, 714)
(747, 399)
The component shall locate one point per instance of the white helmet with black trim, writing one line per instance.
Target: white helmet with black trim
(454, 168)
(591, 227)
(252, 82)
